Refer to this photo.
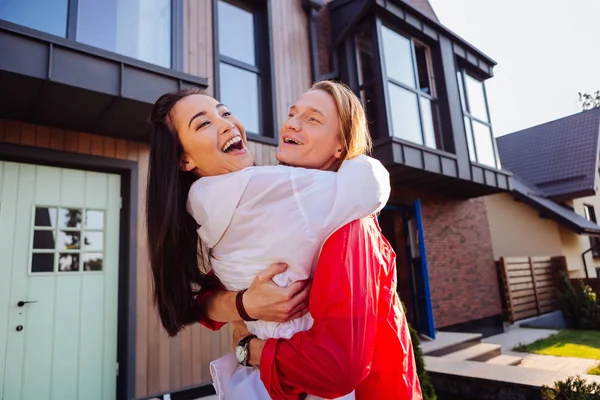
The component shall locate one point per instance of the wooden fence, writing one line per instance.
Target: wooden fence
(529, 284)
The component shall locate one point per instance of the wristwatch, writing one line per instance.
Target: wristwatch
(242, 350)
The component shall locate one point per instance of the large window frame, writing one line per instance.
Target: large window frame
(432, 97)
(264, 69)
(469, 118)
(176, 33)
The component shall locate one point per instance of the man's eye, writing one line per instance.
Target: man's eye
(312, 119)
(290, 115)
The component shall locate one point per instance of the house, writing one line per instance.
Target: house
(77, 81)
(551, 210)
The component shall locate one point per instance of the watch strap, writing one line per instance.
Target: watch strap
(239, 305)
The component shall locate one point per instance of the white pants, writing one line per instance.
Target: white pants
(235, 382)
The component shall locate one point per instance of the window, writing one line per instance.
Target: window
(140, 29)
(590, 215)
(478, 127)
(242, 64)
(365, 57)
(411, 89)
(67, 240)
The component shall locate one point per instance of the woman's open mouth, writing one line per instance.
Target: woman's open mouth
(233, 145)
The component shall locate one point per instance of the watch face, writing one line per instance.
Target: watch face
(240, 354)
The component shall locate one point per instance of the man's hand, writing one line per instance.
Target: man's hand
(266, 301)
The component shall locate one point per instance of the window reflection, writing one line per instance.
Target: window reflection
(483, 142)
(48, 16)
(92, 261)
(45, 216)
(44, 240)
(94, 219)
(69, 240)
(139, 29)
(476, 97)
(405, 114)
(69, 218)
(236, 33)
(246, 108)
(68, 262)
(42, 262)
(397, 53)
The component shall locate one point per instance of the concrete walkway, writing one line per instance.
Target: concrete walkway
(515, 336)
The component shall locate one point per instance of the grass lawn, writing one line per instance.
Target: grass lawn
(568, 343)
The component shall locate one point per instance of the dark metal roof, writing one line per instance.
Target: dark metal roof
(559, 157)
(550, 209)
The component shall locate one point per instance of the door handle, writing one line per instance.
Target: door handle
(22, 303)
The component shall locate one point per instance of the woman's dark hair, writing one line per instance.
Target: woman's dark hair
(175, 250)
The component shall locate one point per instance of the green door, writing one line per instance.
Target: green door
(59, 244)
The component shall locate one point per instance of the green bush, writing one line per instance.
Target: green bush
(579, 307)
(573, 388)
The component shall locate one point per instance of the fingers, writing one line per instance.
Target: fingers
(271, 271)
(295, 288)
(299, 314)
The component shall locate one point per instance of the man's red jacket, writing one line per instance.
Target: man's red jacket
(360, 339)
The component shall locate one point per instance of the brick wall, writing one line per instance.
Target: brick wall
(462, 273)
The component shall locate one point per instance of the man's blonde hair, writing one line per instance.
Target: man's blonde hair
(354, 131)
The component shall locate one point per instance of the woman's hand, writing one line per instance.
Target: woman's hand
(266, 301)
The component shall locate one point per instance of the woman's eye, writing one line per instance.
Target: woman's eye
(202, 125)
(227, 114)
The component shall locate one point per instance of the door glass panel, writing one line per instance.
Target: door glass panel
(48, 16)
(44, 240)
(397, 53)
(236, 33)
(405, 114)
(233, 82)
(69, 240)
(93, 241)
(92, 261)
(94, 219)
(423, 72)
(68, 262)
(45, 216)
(42, 262)
(69, 218)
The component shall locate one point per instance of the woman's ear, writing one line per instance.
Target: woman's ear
(185, 164)
(338, 151)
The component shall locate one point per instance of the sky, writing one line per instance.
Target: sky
(547, 51)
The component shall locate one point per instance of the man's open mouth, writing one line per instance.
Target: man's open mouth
(233, 144)
(289, 140)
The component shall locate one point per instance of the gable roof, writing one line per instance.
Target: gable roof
(424, 7)
(559, 157)
(566, 217)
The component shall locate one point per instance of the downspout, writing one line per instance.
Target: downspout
(312, 8)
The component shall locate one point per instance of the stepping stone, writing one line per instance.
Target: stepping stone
(478, 352)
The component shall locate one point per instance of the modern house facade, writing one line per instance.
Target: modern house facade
(551, 210)
(77, 81)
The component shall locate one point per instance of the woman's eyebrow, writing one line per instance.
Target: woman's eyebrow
(201, 113)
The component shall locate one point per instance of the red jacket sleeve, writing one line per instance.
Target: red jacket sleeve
(213, 286)
(335, 355)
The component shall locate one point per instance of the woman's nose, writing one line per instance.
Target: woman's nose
(226, 127)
